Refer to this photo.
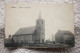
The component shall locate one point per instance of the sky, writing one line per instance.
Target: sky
(56, 16)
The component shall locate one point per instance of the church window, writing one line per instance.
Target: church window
(38, 22)
(42, 33)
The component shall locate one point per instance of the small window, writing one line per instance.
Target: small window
(37, 22)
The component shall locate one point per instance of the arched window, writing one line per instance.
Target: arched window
(42, 34)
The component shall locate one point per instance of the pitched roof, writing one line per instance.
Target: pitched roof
(60, 32)
(65, 32)
(26, 30)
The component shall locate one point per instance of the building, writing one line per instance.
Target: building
(64, 37)
(33, 34)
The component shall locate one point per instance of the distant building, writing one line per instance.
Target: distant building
(64, 37)
(34, 34)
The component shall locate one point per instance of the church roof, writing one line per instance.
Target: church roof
(26, 30)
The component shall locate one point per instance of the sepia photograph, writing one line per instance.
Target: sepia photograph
(39, 25)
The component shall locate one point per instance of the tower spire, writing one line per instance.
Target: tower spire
(40, 15)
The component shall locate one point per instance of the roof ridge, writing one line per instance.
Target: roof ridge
(26, 30)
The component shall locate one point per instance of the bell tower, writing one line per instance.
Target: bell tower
(40, 28)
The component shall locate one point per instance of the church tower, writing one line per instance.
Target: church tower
(40, 28)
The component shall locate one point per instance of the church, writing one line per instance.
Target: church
(32, 34)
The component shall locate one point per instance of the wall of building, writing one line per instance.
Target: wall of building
(26, 38)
